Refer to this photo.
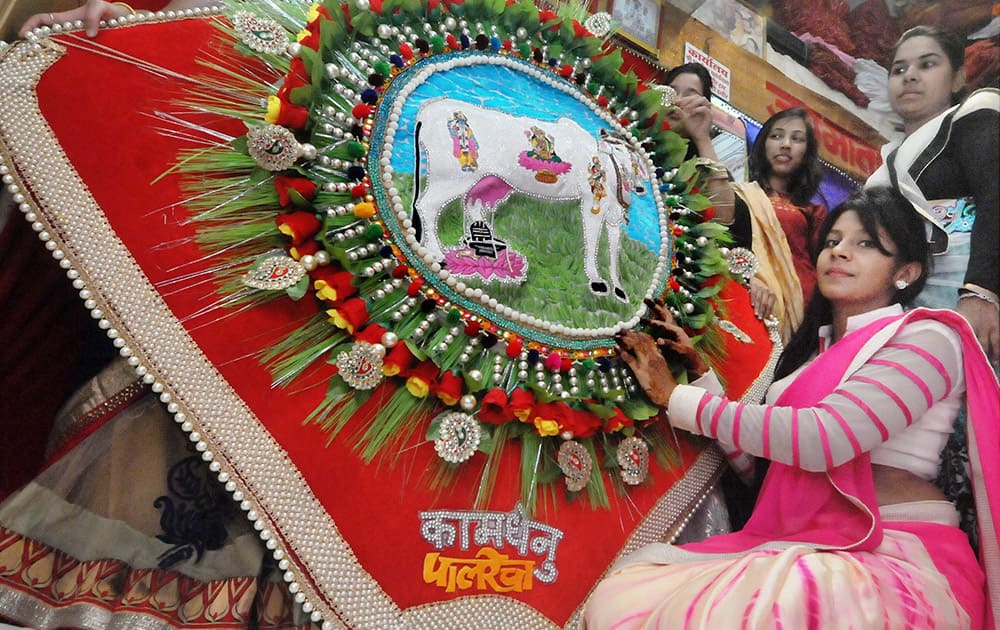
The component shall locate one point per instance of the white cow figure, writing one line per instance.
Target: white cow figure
(482, 155)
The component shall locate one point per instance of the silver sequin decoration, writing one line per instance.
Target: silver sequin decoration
(274, 270)
(361, 368)
(742, 262)
(272, 147)
(633, 458)
(735, 331)
(260, 34)
(669, 95)
(576, 464)
(599, 24)
(458, 437)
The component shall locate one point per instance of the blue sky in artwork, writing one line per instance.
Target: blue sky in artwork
(517, 93)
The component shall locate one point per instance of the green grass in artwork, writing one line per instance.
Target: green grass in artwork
(550, 236)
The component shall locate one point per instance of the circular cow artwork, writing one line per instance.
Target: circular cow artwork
(477, 199)
(530, 207)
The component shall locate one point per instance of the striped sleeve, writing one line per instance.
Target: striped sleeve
(902, 380)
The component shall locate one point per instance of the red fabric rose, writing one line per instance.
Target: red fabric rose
(350, 315)
(333, 284)
(550, 418)
(281, 112)
(309, 39)
(617, 422)
(371, 333)
(398, 361)
(305, 249)
(300, 225)
(494, 407)
(582, 424)
(521, 402)
(296, 77)
(421, 379)
(448, 388)
(284, 183)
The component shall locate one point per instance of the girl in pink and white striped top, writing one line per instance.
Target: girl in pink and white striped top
(854, 427)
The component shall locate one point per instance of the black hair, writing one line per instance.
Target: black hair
(950, 43)
(804, 182)
(696, 69)
(877, 207)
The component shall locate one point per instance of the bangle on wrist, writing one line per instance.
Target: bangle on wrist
(974, 290)
(712, 165)
(966, 293)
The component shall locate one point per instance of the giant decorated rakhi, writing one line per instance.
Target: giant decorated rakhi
(377, 278)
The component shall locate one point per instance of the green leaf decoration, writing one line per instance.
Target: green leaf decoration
(298, 290)
(639, 408)
(486, 439)
(240, 144)
(363, 22)
(301, 95)
(259, 175)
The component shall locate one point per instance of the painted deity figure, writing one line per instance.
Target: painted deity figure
(464, 144)
(596, 177)
(542, 145)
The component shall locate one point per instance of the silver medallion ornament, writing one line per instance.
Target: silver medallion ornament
(259, 34)
(576, 464)
(742, 262)
(669, 96)
(458, 437)
(274, 270)
(361, 368)
(599, 24)
(272, 147)
(633, 458)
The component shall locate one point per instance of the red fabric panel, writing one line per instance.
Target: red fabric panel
(744, 361)
(107, 133)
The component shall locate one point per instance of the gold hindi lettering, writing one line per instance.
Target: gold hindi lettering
(490, 570)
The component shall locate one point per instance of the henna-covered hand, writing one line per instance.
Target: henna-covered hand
(643, 356)
(671, 337)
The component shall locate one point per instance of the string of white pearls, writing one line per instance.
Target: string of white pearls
(42, 32)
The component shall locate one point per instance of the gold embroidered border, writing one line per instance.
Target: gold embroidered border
(256, 468)
(38, 576)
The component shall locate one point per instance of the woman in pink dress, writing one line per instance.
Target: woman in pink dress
(849, 531)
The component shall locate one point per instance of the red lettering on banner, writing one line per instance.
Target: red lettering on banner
(840, 146)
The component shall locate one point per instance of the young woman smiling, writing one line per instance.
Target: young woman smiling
(864, 400)
(784, 177)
